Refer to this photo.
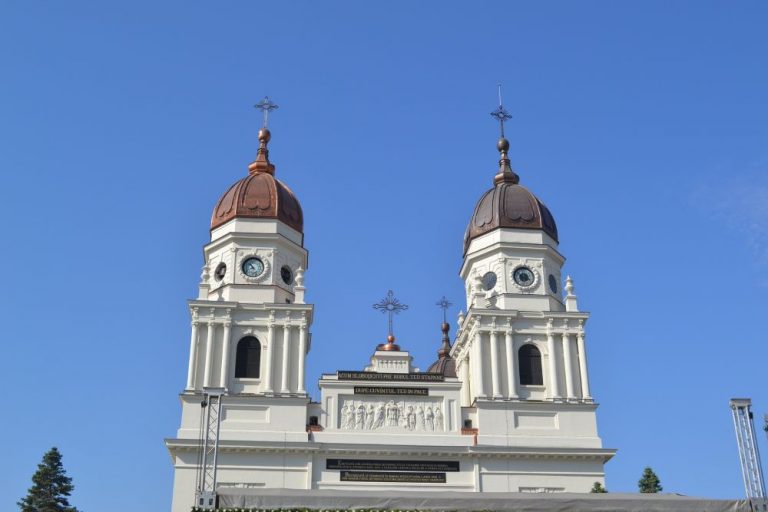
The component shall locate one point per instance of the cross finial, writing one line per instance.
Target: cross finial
(444, 305)
(266, 106)
(500, 114)
(391, 306)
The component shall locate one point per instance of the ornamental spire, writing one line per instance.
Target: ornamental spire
(262, 163)
(505, 174)
(445, 348)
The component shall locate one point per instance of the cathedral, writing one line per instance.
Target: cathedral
(505, 408)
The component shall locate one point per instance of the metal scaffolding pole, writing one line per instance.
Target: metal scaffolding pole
(205, 494)
(749, 454)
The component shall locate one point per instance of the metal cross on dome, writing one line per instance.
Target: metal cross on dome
(444, 305)
(266, 106)
(390, 305)
(501, 114)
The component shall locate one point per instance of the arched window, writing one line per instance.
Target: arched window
(529, 359)
(248, 364)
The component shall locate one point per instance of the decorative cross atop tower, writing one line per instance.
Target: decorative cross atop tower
(501, 115)
(266, 106)
(391, 306)
(444, 305)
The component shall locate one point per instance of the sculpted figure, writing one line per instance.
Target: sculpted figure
(378, 422)
(438, 419)
(369, 418)
(344, 416)
(360, 417)
(393, 414)
(429, 417)
(411, 418)
(419, 418)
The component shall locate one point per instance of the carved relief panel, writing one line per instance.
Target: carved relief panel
(423, 415)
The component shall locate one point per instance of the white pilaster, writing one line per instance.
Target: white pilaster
(495, 370)
(270, 354)
(511, 373)
(554, 381)
(209, 354)
(192, 356)
(302, 355)
(466, 398)
(567, 360)
(477, 381)
(583, 366)
(284, 386)
(225, 346)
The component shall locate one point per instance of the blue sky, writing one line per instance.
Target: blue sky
(642, 125)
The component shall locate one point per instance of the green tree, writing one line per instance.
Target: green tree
(649, 482)
(51, 487)
(598, 488)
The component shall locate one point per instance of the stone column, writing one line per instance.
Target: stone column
(479, 385)
(583, 366)
(284, 386)
(270, 356)
(192, 356)
(511, 368)
(554, 381)
(495, 370)
(466, 397)
(302, 356)
(567, 359)
(225, 345)
(209, 354)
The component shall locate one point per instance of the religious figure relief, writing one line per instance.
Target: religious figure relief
(438, 419)
(429, 419)
(391, 415)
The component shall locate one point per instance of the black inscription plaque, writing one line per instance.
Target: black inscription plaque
(381, 390)
(423, 466)
(390, 377)
(389, 476)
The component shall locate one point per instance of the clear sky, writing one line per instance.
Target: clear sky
(642, 125)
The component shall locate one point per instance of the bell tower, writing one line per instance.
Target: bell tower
(250, 330)
(520, 349)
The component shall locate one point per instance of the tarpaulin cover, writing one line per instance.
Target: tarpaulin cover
(391, 499)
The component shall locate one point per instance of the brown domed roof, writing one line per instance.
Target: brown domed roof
(259, 195)
(508, 205)
(445, 364)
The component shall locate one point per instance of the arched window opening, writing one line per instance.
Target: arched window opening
(529, 359)
(248, 364)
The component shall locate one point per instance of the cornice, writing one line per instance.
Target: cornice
(502, 452)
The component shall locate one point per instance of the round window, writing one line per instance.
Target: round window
(552, 283)
(489, 280)
(286, 274)
(220, 272)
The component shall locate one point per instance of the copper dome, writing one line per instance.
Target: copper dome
(259, 195)
(445, 364)
(508, 205)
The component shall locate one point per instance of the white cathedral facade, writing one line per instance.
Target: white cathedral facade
(507, 406)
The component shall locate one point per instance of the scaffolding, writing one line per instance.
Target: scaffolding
(749, 454)
(208, 448)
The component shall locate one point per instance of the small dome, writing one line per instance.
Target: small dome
(259, 195)
(509, 205)
(445, 364)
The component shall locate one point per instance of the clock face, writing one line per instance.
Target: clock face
(286, 274)
(489, 280)
(253, 267)
(524, 276)
(221, 271)
(552, 283)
